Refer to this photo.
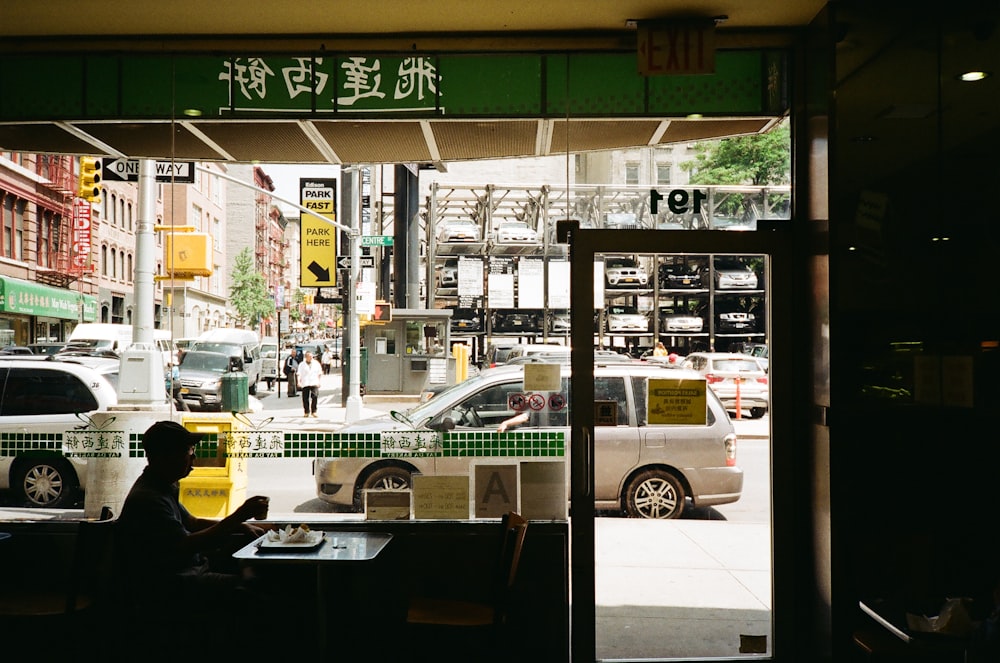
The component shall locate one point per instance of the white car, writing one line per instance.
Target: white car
(459, 230)
(733, 377)
(675, 320)
(620, 272)
(733, 273)
(515, 232)
(40, 401)
(626, 319)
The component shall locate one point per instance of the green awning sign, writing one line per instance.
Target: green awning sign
(26, 297)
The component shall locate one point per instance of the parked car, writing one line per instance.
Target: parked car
(46, 348)
(758, 350)
(731, 272)
(735, 322)
(447, 274)
(269, 372)
(514, 320)
(622, 272)
(559, 322)
(459, 230)
(16, 350)
(543, 351)
(729, 372)
(201, 378)
(643, 480)
(680, 275)
(626, 319)
(465, 320)
(514, 232)
(677, 320)
(39, 401)
(497, 353)
(242, 343)
(621, 221)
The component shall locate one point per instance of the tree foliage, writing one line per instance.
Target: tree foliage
(249, 295)
(758, 159)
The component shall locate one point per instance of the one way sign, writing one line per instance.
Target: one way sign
(344, 262)
(127, 170)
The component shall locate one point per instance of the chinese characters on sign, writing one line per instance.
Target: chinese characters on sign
(677, 402)
(363, 83)
(397, 444)
(94, 443)
(254, 444)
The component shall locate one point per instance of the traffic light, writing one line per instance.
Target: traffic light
(383, 312)
(89, 187)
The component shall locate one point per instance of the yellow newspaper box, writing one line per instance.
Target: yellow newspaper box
(218, 483)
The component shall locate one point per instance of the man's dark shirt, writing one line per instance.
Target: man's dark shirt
(151, 524)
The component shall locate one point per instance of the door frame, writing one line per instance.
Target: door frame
(773, 239)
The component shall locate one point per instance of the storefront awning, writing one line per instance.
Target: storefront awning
(28, 298)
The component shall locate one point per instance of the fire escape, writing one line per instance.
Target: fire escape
(59, 189)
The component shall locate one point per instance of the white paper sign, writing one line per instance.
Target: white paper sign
(364, 298)
(559, 284)
(501, 291)
(531, 283)
(470, 277)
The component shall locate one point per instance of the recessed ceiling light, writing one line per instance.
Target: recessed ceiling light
(972, 76)
(192, 112)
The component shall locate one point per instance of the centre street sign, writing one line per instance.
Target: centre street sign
(127, 170)
(376, 240)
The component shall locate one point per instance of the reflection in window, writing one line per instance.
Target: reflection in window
(33, 392)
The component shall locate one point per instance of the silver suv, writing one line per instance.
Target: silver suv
(39, 402)
(644, 470)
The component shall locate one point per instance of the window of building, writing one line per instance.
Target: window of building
(19, 208)
(8, 224)
(196, 214)
(114, 264)
(43, 241)
(128, 210)
(128, 274)
(121, 212)
(117, 309)
(663, 170)
(632, 172)
(104, 260)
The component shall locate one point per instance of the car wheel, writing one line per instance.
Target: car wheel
(253, 389)
(654, 494)
(384, 478)
(45, 483)
(757, 412)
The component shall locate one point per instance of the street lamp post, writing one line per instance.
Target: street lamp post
(353, 410)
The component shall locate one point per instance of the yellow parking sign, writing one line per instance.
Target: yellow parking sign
(676, 401)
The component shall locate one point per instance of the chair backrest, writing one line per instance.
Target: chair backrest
(92, 560)
(515, 527)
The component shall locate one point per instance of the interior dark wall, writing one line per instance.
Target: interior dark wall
(913, 486)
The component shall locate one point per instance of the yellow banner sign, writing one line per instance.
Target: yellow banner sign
(676, 401)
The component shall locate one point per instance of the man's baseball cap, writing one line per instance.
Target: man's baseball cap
(164, 435)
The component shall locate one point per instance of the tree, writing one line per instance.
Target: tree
(759, 159)
(248, 294)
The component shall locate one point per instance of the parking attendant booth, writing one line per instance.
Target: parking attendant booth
(408, 352)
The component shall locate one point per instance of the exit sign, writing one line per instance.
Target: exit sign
(376, 240)
(676, 48)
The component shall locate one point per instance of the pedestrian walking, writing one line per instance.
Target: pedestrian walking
(289, 369)
(308, 374)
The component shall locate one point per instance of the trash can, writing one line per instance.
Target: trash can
(235, 396)
(364, 365)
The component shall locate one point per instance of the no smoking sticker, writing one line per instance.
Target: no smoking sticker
(536, 401)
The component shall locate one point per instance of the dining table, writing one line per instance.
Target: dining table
(334, 549)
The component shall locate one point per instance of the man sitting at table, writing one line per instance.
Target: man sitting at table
(166, 551)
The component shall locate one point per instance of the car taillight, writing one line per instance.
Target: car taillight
(762, 380)
(712, 379)
(730, 443)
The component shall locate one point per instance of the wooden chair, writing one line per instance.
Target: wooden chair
(457, 629)
(66, 608)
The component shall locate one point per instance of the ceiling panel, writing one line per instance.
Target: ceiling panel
(461, 141)
(376, 142)
(266, 142)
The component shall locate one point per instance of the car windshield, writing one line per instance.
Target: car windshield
(622, 310)
(737, 366)
(205, 361)
(730, 264)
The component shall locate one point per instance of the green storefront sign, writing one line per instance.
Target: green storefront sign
(28, 298)
(137, 86)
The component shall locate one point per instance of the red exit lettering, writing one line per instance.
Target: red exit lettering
(676, 49)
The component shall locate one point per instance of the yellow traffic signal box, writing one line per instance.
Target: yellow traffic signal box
(89, 184)
(188, 254)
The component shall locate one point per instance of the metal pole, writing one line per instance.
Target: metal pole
(353, 411)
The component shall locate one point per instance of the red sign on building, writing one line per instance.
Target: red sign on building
(79, 249)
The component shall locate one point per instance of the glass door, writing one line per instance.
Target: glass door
(671, 514)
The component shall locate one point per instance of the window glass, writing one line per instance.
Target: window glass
(33, 392)
(613, 389)
(641, 406)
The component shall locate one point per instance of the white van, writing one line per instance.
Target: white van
(269, 372)
(242, 343)
(98, 337)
